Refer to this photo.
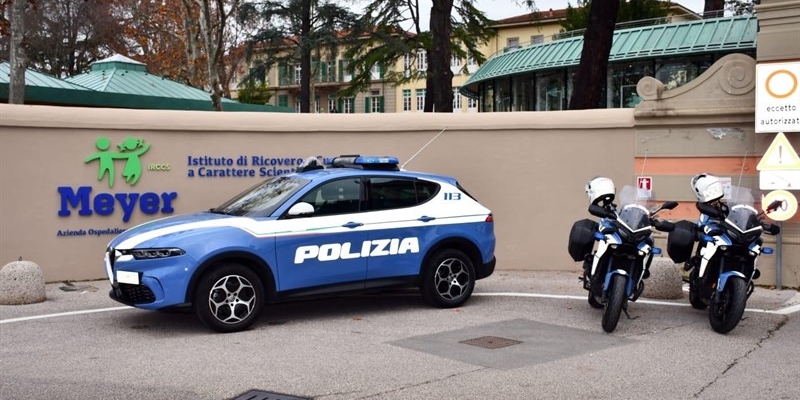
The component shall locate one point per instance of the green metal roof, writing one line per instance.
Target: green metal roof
(684, 39)
(120, 74)
(38, 79)
(120, 82)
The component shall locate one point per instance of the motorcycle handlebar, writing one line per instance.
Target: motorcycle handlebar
(771, 229)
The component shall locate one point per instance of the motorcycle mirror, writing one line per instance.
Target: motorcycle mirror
(602, 212)
(670, 205)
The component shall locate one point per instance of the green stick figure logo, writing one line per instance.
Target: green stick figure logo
(129, 150)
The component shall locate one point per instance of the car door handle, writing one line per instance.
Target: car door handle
(426, 218)
(353, 225)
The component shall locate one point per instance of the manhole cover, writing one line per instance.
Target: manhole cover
(490, 342)
(262, 395)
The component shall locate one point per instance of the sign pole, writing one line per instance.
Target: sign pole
(779, 258)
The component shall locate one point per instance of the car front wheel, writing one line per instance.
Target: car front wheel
(229, 298)
(448, 278)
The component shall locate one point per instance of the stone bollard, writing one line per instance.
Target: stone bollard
(21, 282)
(665, 280)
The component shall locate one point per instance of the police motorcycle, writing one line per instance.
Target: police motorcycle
(729, 244)
(614, 271)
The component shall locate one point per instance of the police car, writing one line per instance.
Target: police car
(359, 223)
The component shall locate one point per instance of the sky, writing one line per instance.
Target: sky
(499, 9)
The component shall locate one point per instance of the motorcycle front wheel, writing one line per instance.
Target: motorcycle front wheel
(616, 299)
(727, 309)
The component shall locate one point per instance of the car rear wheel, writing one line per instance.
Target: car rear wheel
(229, 298)
(448, 278)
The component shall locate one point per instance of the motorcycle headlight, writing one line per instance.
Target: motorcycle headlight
(149, 254)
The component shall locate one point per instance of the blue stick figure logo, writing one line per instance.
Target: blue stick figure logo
(129, 150)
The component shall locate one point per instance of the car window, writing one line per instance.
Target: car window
(262, 199)
(391, 193)
(335, 197)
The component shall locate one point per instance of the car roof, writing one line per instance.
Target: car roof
(331, 173)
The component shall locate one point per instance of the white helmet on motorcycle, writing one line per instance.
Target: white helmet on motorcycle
(707, 188)
(600, 189)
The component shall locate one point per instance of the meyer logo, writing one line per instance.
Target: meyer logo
(369, 248)
(129, 150)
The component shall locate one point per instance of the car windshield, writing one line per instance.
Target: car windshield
(262, 199)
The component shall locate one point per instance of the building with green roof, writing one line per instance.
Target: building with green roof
(540, 77)
(119, 82)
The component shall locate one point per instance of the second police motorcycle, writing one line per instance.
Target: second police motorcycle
(615, 269)
(724, 265)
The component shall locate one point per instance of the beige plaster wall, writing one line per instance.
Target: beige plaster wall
(529, 168)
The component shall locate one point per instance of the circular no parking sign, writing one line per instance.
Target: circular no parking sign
(788, 205)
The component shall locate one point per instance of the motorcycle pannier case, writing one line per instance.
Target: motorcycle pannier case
(581, 239)
(681, 241)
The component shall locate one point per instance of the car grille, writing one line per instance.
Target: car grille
(135, 294)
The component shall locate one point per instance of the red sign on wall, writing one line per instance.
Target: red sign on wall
(644, 184)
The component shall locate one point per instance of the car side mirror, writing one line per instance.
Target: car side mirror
(301, 209)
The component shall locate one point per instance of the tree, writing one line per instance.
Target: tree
(740, 7)
(713, 8)
(253, 91)
(63, 37)
(214, 15)
(597, 40)
(384, 39)
(16, 87)
(302, 33)
(577, 18)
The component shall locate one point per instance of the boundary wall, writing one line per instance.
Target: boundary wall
(71, 178)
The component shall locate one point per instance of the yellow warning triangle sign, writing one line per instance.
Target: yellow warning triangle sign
(779, 156)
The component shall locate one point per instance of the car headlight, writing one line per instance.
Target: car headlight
(148, 254)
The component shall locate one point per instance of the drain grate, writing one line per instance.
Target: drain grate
(262, 395)
(490, 342)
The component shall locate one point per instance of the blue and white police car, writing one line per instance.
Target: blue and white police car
(360, 223)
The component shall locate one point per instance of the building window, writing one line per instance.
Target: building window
(472, 66)
(537, 39)
(623, 84)
(375, 72)
(407, 62)
(344, 71)
(297, 73)
(456, 100)
(420, 100)
(297, 104)
(512, 43)
(550, 91)
(472, 105)
(455, 64)
(283, 100)
(374, 102)
(422, 60)
(406, 99)
(331, 105)
(348, 105)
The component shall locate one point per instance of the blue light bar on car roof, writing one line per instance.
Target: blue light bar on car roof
(366, 162)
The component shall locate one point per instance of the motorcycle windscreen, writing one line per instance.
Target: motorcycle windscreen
(744, 218)
(635, 217)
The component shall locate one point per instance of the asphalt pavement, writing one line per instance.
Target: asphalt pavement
(523, 335)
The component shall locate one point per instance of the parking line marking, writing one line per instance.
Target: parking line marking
(64, 314)
(783, 311)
